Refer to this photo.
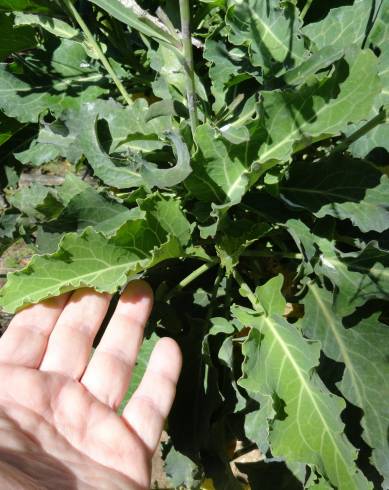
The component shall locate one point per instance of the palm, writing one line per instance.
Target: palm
(58, 421)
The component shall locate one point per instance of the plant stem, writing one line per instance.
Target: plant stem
(305, 9)
(189, 68)
(212, 301)
(190, 278)
(97, 48)
(266, 253)
(256, 304)
(375, 121)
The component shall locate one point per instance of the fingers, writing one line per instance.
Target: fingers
(108, 374)
(25, 340)
(70, 343)
(150, 405)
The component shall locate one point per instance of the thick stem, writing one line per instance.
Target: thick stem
(305, 9)
(189, 68)
(98, 50)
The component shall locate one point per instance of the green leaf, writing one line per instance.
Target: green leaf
(379, 34)
(54, 140)
(137, 172)
(280, 363)
(105, 129)
(181, 470)
(234, 238)
(302, 237)
(324, 188)
(132, 17)
(14, 39)
(8, 127)
(269, 31)
(229, 68)
(43, 6)
(140, 367)
(89, 208)
(8, 222)
(293, 119)
(92, 260)
(318, 61)
(72, 186)
(356, 277)
(363, 350)
(26, 102)
(171, 83)
(270, 297)
(55, 26)
(220, 169)
(378, 136)
(36, 201)
(343, 26)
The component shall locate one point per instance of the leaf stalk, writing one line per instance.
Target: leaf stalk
(380, 118)
(190, 278)
(268, 253)
(305, 9)
(103, 59)
(249, 294)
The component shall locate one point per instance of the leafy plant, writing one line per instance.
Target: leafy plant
(235, 154)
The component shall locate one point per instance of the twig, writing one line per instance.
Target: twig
(137, 9)
(98, 50)
(189, 68)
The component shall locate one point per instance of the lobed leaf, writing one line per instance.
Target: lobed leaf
(363, 350)
(92, 260)
(341, 187)
(280, 363)
(320, 109)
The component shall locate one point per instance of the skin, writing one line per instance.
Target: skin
(58, 422)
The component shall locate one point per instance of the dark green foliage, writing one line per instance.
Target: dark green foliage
(263, 230)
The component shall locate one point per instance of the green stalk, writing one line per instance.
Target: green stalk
(380, 118)
(269, 253)
(96, 47)
(189, 68)
(190, 278)
(256, 304)
(305, 9)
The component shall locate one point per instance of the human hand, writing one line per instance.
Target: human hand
(58, 423)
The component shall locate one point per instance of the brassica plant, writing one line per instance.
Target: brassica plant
(235, 154)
